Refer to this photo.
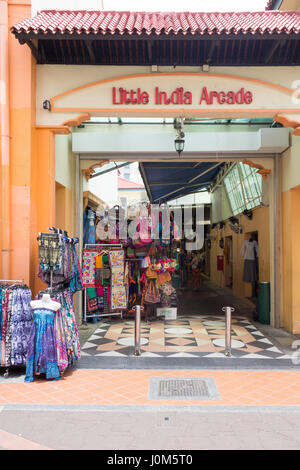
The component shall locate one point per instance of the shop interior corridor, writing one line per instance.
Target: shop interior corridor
(138, 218)
(198, 331)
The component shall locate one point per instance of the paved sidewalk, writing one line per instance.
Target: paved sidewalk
(131, 387)
(111, 409)
(151, 430)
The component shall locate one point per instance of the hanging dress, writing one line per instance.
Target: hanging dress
(21, 321)
(42, 356)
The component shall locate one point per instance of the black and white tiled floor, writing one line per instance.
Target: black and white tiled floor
(188, 336)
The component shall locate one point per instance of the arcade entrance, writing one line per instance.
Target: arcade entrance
(187, 288)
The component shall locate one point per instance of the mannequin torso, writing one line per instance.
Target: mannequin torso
(46, 302)
(249, 249)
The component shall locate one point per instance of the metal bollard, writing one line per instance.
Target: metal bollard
(137, 330)
(228, 311)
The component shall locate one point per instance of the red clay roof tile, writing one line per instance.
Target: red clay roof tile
(124, 22)
(127, 184)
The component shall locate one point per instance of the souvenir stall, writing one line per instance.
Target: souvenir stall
(120, 273)
(104, 280)
(159, 297)
(15, 323)
(54, 341)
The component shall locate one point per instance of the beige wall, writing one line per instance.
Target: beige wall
(290, 165)
(132, 196)
(259, 223)
(65, 178)
(64, 215)
(290, 204)
(56, 79)
(64, 161)
(291, 259)
(290, 5)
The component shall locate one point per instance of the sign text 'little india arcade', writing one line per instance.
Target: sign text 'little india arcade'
(180, 96)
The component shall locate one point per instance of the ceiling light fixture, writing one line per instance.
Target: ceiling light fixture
(179, 141)
(179, 145)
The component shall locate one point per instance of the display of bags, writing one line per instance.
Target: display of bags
(167, 289)
(152, 295)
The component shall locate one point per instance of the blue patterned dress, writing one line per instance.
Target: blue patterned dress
(42, 356)
(21, 321)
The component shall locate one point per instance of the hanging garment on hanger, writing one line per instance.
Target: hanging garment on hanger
(6, 332)
(15, 321)
(50, 246)
(133, 286)
(89, 267)
(60, 342)
(67, 267)
(249, 252)
(118, 289)
(91, 233)
(76, 283)
(105, 300)
(92, 304)
(21, 321)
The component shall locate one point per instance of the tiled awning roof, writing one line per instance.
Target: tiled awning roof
(166, 39)
(52, 22)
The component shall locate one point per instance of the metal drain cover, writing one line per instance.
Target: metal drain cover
(183, 388)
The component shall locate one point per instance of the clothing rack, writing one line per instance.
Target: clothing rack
(55, 290)
(59, 230)
(94, 246)
(70, 240)
(12, 282)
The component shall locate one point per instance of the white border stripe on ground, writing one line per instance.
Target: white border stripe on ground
(12, 442)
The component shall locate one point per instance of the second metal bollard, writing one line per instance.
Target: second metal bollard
(137, 330)
(228, 311)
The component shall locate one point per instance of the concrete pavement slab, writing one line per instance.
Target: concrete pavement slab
(137, 430)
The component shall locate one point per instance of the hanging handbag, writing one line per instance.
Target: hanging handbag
(146, 262)
(143, 233)
(152, 295)
(167, 289)
(163, 278)
(130, 252)
(150, 273)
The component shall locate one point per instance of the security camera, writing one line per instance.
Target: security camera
(47, 105)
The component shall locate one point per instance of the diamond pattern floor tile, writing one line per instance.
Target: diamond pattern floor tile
(197, 333)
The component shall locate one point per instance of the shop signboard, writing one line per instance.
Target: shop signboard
(180, 96)
(176, 94)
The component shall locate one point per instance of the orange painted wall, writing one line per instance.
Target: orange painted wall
(22, 121)
(32, 159)
(291, 259)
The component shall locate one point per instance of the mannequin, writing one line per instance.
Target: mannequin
(249, 252)
(46, 302)
(42, 352)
